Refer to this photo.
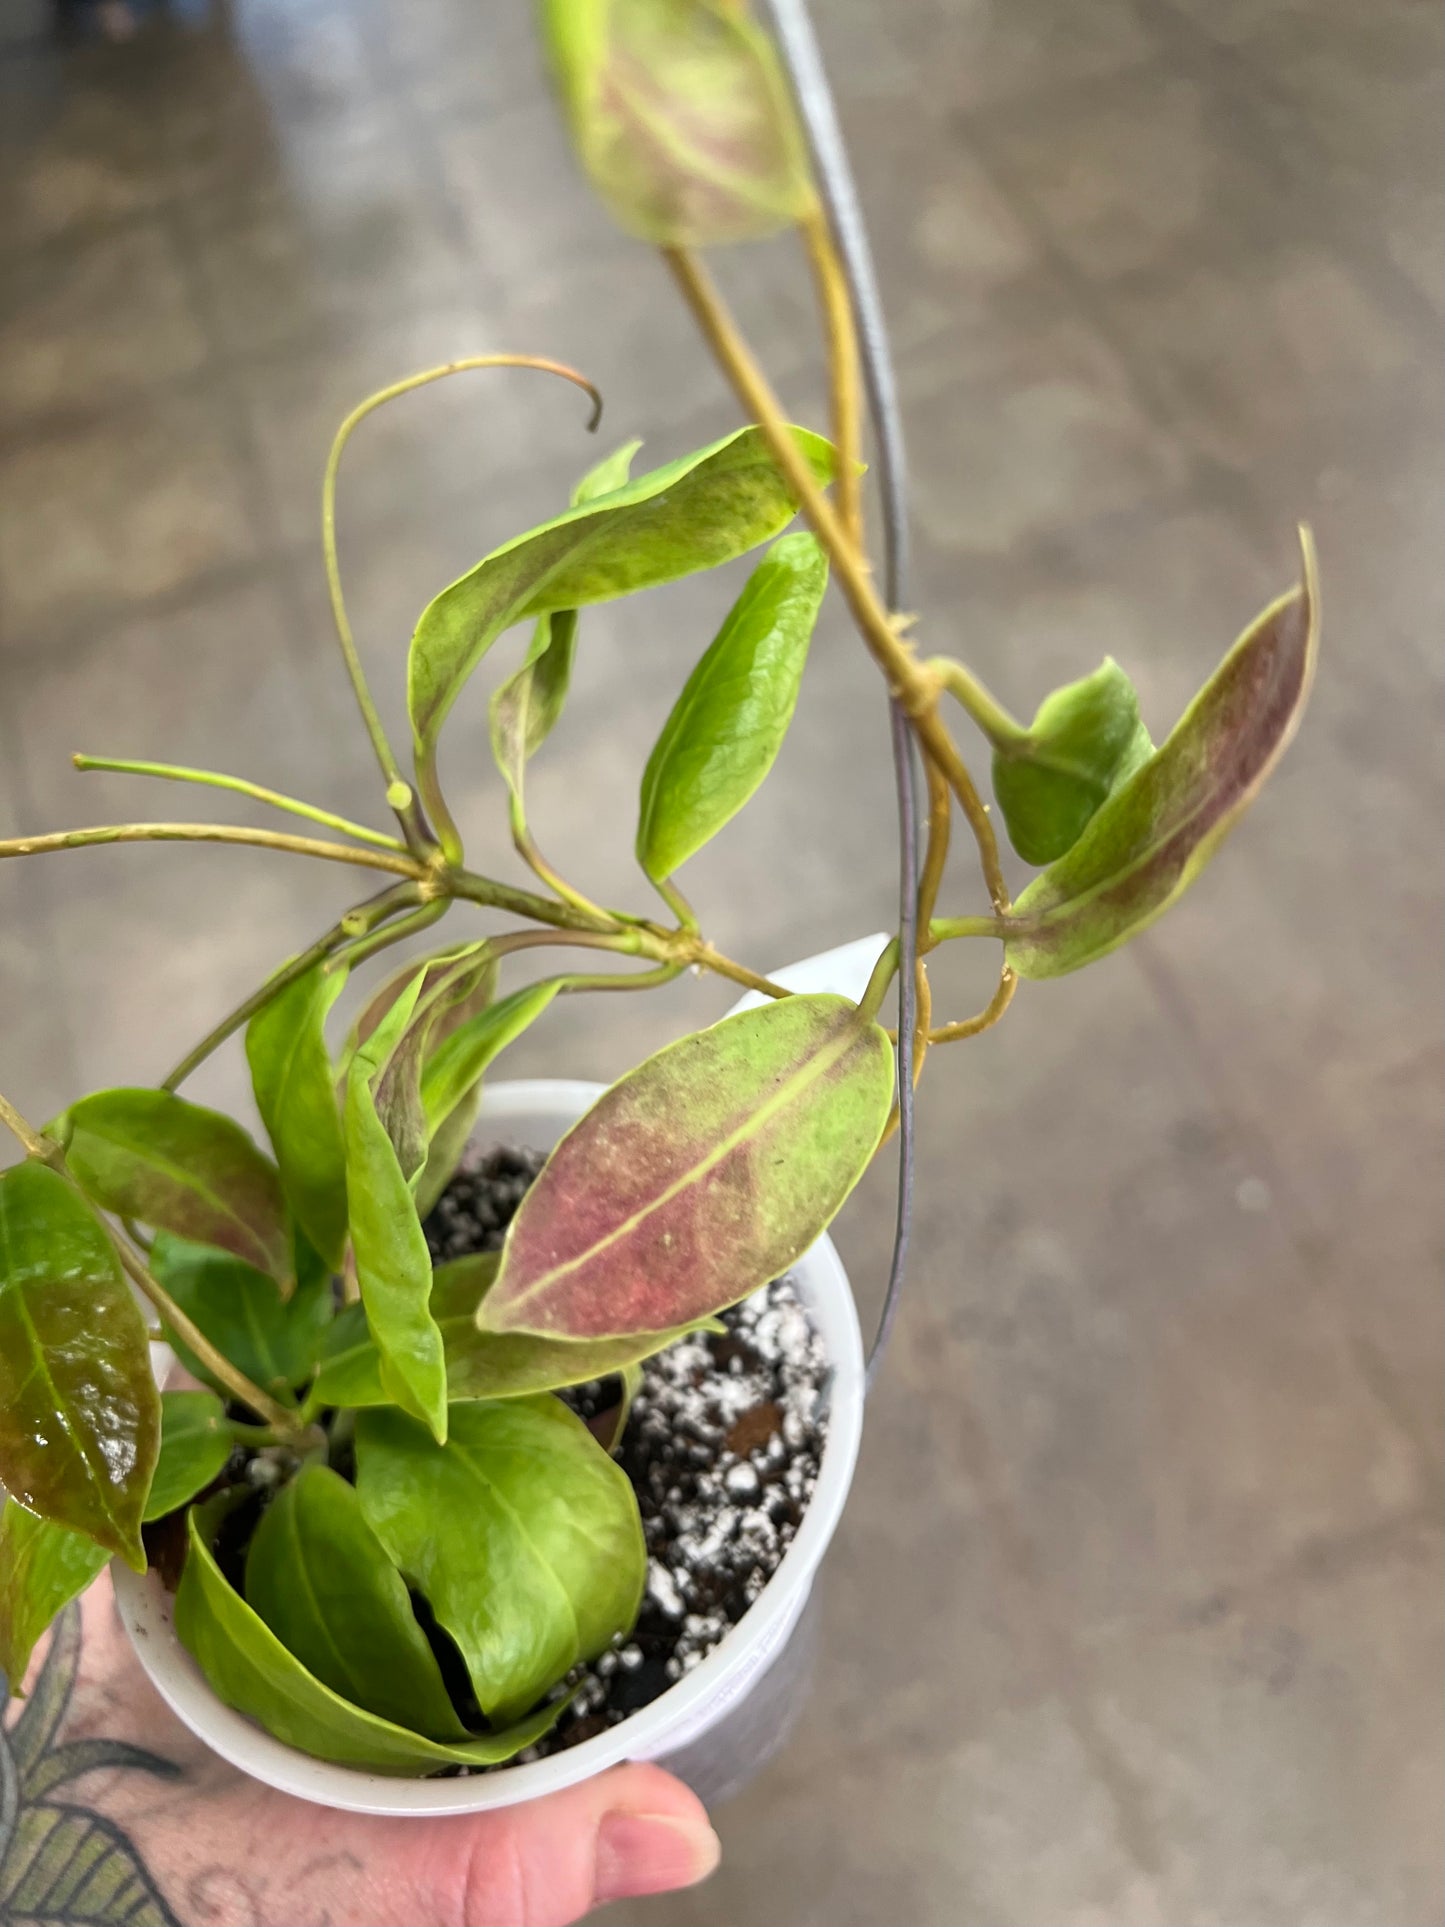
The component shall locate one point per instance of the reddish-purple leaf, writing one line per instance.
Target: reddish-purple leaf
(700, 1176)
(176, 1166)
(1154, 835)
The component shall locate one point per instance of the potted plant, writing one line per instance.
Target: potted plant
(454, 1421)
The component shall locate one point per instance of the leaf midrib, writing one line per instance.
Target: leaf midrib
(816, 1066)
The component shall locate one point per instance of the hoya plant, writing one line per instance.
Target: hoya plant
(420, 1471)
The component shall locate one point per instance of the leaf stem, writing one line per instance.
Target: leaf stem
(992, 718)
(624, 979)
(468, 884)
(362, 917)
(986, 1018)
(525, 845)
(704, 954)
(408, 812)
(176, 773)
(195, 1340)
(935, 855)
(42, 1149)
(678, 904)
(365, 944)
(837, 308)
(945, 929)
(396, 862)
(884, 971)
(46, 1151)
(908, 679)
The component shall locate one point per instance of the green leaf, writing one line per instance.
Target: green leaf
(291, 1076)
(1086, 740)
(393, 1265)
(520, 1532)
(79, 1411)
(690, 515)
(479, 1364)
(195, 1443)
(320, 1578)
(681, 117)
(250, 1669)
(42, 1568)
(465, 999)
(1152, 838)
(728, 724)
(526, 707)
(154, 1157)
(448, 990)
(444, 1153)
(451, 1085)
(701, 1175)
(273, 1340)
(457, 1066)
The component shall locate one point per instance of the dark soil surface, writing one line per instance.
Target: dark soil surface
(722, 1447)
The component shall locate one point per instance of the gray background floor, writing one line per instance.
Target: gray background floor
(1136, 1613)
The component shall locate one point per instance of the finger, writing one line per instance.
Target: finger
(629, 1832)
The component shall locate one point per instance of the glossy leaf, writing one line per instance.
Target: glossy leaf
(319, 1577)
(291, 1076)
(42, 1568)
(479, 1364)
(195, 1444)
(681, 117)
(690, 515)
(1152, 838)
(273, 1340)
(393, 1265)
(527, 705)
(728, 724)
(79, 1411)
(1086, 740)
(250, 1669)
(165, 1162)
(520, 1532)
(701, 1175)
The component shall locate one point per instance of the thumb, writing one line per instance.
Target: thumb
(632, 1831)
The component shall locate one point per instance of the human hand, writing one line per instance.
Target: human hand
(171, 1836)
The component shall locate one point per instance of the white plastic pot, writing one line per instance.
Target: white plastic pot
(703, 1703)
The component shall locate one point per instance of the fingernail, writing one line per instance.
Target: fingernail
(648, 1853)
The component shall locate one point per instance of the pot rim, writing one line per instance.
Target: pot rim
(675, 1718)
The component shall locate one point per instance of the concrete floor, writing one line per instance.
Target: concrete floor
(1136, 1614)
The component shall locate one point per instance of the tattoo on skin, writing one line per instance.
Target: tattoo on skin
(63, 1864)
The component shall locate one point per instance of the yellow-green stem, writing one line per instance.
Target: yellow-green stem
(986, 1018)
(913, 685)
(213, 779)
(365, 915)
(408, 814)
(992, 718)
(398, 863)
(842, 336)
